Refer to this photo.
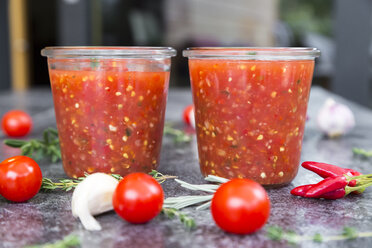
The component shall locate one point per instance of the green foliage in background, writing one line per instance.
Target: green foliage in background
(307, 16)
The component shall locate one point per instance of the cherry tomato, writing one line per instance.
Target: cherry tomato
(138, 198)
(16, 123)
(240, 206)
(188, 116)
(20, 178)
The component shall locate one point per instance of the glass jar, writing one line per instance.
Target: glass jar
(109, 104)
(250, 110)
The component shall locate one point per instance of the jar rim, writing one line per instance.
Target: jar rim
(108, 51)
(252, 52)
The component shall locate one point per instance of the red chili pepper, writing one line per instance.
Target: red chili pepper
(328, 170)
(301, 190)
(333, 195)
(333, 187)
(327, 185)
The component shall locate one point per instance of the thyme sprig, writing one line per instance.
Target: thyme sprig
(69, 184)
(277, 233)
(63, 184)
(187, 221)
(71, 240)
(179, 136)
(160, 177)
(48, 147)
(362, 152)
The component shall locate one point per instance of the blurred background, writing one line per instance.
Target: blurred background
(340, 29)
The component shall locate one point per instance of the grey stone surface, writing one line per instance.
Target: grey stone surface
(47, 217)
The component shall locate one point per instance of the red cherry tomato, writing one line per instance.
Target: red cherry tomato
(240, 206)
(16, 123)
(20, 178)
(188, 115)
(138, 198)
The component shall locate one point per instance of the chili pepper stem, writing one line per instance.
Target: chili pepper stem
(358, 177)
(348, 189)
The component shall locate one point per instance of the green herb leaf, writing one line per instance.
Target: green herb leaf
(94, 63)
(275, 233)
(178, 135)
(278, 234)
(318, 238)
(128, 132)
(117, 176)
(48, 147)
(14, 143)
(291, 237)
(68, 241)
(225, 92)
(187, 221)
(349, 233)
(362, 152)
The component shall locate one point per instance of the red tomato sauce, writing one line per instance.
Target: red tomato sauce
(109, 120)
(250, 117)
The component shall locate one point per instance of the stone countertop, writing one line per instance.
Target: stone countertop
(47, 217)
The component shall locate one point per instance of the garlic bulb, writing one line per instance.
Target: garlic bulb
(335, 119)
(93, 196)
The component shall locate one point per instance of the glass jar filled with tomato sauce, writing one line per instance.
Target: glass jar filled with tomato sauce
(250, 110)
(109, 104)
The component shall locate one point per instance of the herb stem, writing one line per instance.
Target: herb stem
(187, 221)
(69, 184)
(362, 152)
(160, 177)
(179, 136)
(48, 147)
(68, 241)
(277, 234)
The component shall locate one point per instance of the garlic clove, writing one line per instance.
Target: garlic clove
(192, 118)
(335, 119)
(91, 197)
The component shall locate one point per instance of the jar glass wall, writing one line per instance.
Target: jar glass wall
(110, 105)
(250, 110)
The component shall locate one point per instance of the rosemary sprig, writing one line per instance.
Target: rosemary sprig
(69, 184)
(187, 221)
(48, 147)
(68, 241)
(277, 233)
(362, 152)
(179, 136)
(203, 201)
